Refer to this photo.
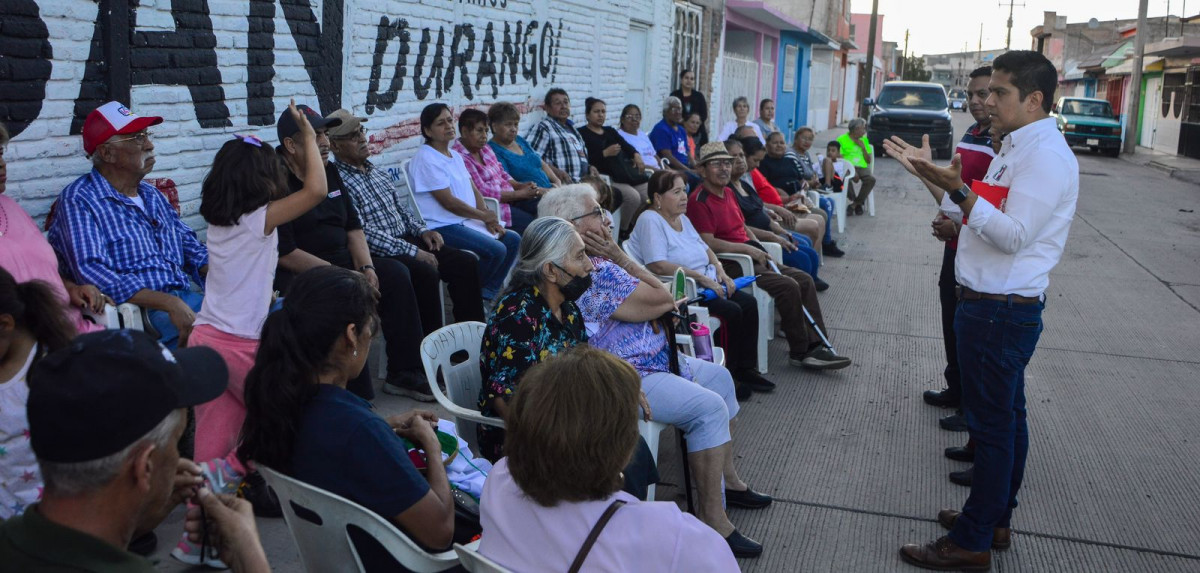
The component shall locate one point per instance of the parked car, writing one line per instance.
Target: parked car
(1089, 122)
(910, 110)
(958, 100)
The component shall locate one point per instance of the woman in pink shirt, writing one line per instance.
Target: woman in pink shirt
(489, 175)
(27, 256)
(571, 427)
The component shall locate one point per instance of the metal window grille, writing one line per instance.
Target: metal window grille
(689, 23)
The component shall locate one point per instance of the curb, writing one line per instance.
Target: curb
(1186, 175)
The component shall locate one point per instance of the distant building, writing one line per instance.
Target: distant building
(954, 69)
(1095, 59)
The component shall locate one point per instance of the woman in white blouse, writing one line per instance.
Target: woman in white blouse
(665, 240)
(631, 118)
(741, 114)
(452, 206)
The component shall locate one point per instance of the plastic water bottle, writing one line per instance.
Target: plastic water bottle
(702, 341)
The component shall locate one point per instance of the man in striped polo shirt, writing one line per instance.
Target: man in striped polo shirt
(976, 151)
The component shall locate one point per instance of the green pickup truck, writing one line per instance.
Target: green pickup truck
(1089, 122)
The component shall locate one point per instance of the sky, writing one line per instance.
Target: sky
(941, 26)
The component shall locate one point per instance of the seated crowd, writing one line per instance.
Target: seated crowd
(257, 339)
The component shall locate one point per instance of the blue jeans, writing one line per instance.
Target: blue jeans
(803, 258)
(826, 205)
(495, 256)
(995, 342)
(168, 335)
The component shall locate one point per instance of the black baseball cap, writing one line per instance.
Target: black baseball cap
(105, 390)
(286, 126)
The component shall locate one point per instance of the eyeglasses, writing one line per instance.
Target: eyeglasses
(597, 212)
(140, 138)
(632, 116)
(726, 163)
(3, 150)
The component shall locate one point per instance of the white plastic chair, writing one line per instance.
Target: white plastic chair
(126, 315)
(320, 531)
(463, 380)
(766, 306)
(475, 562)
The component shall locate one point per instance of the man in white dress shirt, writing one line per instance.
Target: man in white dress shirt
(1016, 225)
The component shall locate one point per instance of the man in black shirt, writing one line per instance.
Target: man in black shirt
(331, 234)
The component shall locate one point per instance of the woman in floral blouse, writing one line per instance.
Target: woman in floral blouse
(536, 317)
(489, 175)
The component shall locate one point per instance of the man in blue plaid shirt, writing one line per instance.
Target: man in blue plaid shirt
(555, 139)
(114, 230)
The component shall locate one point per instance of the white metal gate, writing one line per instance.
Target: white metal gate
(635, 76)
(851, 93)
(818, 94)
(740, 79)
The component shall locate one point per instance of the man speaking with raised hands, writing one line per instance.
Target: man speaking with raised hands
(1016, 225)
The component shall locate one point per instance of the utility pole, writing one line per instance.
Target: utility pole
(904, 60)
(867, 76)
(979, 48)
(1135, 83)
(1007, 39)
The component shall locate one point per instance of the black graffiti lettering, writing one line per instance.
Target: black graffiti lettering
(25, 56)
(557, 47)
(546, 50)
(529, 55)
(186, 57)
(320, 46)
(487, 61)
(260, 63)
(511, 55)
(385, 34)
(459, 59)
(434, 78)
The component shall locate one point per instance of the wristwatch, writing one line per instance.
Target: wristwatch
(366, 268)
(959, 195)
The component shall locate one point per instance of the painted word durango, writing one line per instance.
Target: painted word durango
(520, 50)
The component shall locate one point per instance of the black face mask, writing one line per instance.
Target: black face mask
(576, 286)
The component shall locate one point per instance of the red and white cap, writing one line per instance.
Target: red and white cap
(110, 119)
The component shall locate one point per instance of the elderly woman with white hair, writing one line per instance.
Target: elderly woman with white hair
(535, 318)
(621, 309)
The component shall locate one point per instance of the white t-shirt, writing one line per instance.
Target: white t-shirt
(241, 273)
(653, 240)
(431, 170)
(641, 142)
(732, 126)
(19, 476)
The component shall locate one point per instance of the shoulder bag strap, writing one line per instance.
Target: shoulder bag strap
(595, 533)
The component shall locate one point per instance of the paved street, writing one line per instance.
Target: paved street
(854, 458)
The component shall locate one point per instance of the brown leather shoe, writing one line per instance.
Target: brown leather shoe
(1001, 536)
(944, 555)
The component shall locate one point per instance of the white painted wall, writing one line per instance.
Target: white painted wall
(589, 60)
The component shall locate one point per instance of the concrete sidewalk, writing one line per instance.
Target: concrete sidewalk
(1177, 166)
(854, 458)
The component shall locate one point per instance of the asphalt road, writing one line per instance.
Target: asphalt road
(854, 458)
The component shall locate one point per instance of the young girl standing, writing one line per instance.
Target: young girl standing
(33, 322)
(243, 199)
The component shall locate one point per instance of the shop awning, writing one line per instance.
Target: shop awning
(1126, 67)
(1185, 46)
